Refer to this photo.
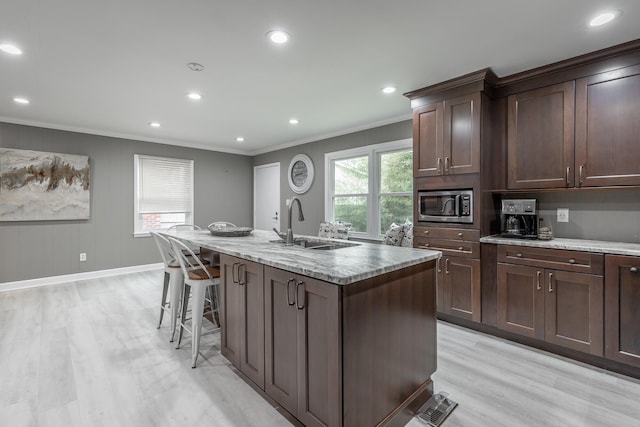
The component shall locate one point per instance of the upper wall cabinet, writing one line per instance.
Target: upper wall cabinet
(608, 128)
(446, 137)
(540, 139)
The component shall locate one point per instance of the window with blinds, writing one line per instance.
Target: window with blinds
(163, 193)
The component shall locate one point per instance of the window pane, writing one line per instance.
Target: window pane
(352, 176)
(157, 221)
(353, 210)
(396, 209)
(396, 172)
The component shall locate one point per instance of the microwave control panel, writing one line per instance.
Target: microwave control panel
(465, 205)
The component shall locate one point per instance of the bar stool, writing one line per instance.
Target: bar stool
(173, 280)
(198, 280)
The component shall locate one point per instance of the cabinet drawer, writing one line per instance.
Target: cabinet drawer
(583, 262)
(447, 233)
(450, 247)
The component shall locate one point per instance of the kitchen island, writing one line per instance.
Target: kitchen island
(342, 337)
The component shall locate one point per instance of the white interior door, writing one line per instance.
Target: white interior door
(266, 196)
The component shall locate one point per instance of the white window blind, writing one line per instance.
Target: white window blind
(163, 192)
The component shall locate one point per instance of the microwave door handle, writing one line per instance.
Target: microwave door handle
(458, 205)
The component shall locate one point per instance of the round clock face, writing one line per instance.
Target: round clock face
(299, 173)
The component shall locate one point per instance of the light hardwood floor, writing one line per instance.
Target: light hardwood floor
(88, 353)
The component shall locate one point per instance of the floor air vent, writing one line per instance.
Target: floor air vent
(437, 409)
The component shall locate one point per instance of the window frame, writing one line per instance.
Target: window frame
(373, 153)
(138, 231)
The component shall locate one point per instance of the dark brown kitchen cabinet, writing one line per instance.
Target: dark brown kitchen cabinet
(458, 269)
(607, 128)
(302, 350)
(622, 309)
(558, 306)
(459, 287)
(540, 138)
(446, 137)
(242, 310)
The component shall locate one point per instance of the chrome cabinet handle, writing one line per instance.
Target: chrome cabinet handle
(550, 282)
(299, 285)
(567, 175)
(242, 276)
(426, 231)
(538, 274)
(461, 249)
(460, 235)
(446, 266)
(446, 164)
(440, 165)
(234, 272)
(519, 254)
(572, 261)
(438, 266)
(633, 269)
(580, 173)
(290, 301)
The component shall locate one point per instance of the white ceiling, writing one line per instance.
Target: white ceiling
(110, 67)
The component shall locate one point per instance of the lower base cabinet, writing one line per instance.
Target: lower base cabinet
(561, 307)
(242, 311)
(302, 351)
(459, 287)
(622, 308)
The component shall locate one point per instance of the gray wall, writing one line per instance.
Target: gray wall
(313, 200)
(223, 191)
(612, 215)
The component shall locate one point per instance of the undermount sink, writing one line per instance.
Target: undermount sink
(317, 244)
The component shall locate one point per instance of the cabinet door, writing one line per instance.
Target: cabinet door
(281, 382)
(230, 310)
(520, 300)
(607, 128)
(461, 290)
(574, 310)
(427, 140)
(319, 352)
(540, 138)
(622, 309)
(461, 134)
(251, 283)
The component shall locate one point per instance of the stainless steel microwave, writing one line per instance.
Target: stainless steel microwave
(446, 206)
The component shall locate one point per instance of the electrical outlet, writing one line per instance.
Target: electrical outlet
(83, 256)
(563, 215)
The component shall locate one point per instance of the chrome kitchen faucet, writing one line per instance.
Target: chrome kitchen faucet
(289, 241)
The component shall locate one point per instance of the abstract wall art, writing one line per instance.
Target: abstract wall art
(40, 186)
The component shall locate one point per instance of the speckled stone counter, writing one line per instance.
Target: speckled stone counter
(340, 266)
(595, 246)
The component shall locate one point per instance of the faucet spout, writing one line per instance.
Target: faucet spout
(289, 241)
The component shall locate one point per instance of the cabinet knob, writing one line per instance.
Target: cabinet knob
(460, 248)
(633, 269)
(426, 245)
(519, 254)
(459, 234)
(426, 231)
(572, 261)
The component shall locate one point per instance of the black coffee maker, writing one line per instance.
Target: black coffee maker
(519, 218)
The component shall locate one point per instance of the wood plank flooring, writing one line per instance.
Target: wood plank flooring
(88, 353)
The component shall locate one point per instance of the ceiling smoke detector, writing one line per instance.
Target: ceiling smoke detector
(194, 66)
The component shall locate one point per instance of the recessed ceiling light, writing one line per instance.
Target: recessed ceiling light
(294, 121)
(194, 96)
(154, 124)
(9, 48)
(603, 18)
(20, 100)
(278, 36)
(194, 66)
(239, 139)
(389, 89)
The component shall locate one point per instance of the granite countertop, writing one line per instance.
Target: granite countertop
(595, 246)
(340, 266)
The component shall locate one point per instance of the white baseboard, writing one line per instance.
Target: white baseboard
(53, 280)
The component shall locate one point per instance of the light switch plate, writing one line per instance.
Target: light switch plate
(563, 215)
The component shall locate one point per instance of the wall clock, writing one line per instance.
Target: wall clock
(300, 173)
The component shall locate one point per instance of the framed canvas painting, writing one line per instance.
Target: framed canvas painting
(41, 186)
